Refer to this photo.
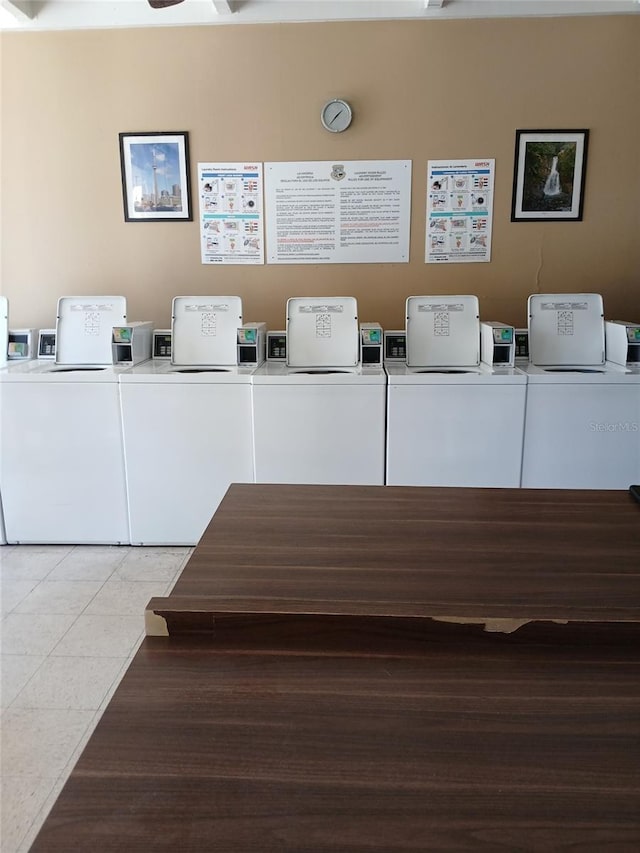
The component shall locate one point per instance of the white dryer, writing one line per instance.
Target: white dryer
(452, 421)
(61, 461)
(320, 418)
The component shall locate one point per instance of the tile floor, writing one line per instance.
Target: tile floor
(72, 619)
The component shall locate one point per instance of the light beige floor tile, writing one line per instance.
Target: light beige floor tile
(41, 816)
(33, 562)
(125, 597)
(89, 563)
(70, 682)
(101, 636)
(84, 740)
(5, 550)
(56, 735)
(16, 670)
(38, 742)
(62, 779)
(33, 634)
(61, 597)
(151, 564)
(119, 676)
(22, 799)
(13, 592)
(170, 587)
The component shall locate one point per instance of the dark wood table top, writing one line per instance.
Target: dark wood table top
(514, 554)
(309, 730)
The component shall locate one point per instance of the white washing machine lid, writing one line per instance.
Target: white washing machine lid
(443, 331)
(566, 329)
(402, 374)
(280, 374)
(204, 330)
(83, 328)
(162, 372)
(322, 331)
(580, 374)
(47, 371)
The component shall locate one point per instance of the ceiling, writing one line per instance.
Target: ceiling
(95, 14)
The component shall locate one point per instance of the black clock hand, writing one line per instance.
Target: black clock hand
(336, 116)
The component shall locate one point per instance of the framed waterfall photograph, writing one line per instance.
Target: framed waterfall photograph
(155, 176)
(548, 176)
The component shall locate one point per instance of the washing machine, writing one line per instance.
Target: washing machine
(3, 535)
(187, 424)
(4, 343)
(62, 460)
(452, 420)
(319, 417)
(582, 427)
(4, 330)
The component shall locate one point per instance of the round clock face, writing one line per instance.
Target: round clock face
(336, 116)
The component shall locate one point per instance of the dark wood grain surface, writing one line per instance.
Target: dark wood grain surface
(398, 745)
(501, 553)
(321, 732)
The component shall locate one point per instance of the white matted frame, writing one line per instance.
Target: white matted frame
(549, 175)
(155, 176)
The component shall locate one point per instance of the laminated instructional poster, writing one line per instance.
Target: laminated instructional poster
(231, 213)
(459, 211)
(352, 212)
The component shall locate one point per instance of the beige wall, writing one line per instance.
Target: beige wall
(419, 90)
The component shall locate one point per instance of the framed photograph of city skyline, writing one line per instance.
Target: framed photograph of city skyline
(548, 175)
(155, 176)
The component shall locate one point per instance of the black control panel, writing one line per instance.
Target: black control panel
(47, 345)
(162, 345)
(395, 346)
(522, 343)
(276, 347)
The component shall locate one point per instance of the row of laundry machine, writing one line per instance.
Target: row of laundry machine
(567, 416)
(102, 444)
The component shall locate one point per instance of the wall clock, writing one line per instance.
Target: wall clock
(336, 115)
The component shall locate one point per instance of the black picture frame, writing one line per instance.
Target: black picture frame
(156, 185)
(549, 173)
